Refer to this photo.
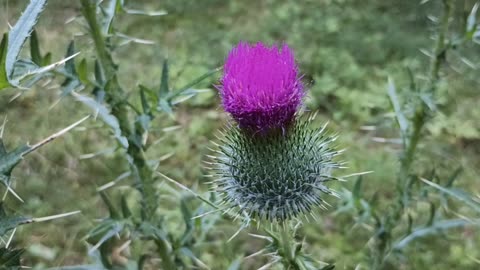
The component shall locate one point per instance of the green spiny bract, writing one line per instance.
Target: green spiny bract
(275, 177)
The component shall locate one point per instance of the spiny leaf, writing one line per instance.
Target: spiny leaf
(458, 194)
(8, 160)
(143, 122)
(82, 71)
(3, 55)
(163, 91)
(188, 253)
(11, 159)
(187, 94)
(187, 87)
(357, 188)
(10, 258)
(431, 217)
(402, 120)
(150, 230)
(37, 71)
(453, 177)
(71, 82)
(47, 59)
(114, 214)
(141, 262)
(3, 151)
(109, 14)
(35, 49)
(8, 223)
(164, 103)
(176, 96)
(410, 223)
(70, 64)
(106, 230)
(187, 218)
(125, 209)
(183, 187)
(471, 26)
(20, 33)
(235, 265)
(104, 113)
(145, 104)
(424, 231)
(357, 193)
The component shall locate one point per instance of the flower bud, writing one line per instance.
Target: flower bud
(275, 177)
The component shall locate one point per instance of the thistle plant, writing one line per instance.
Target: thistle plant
(404, 220)
(20, 74)
(271, 165)
(130, 123)
(111, 238)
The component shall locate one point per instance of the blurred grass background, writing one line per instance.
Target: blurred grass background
(346, 50)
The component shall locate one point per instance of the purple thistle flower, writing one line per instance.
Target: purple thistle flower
(261, 87)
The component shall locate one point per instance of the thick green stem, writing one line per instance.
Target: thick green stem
(89, 11)
(116, 98)
(164, 251)
(439, 52)
(419, 119)
(287, 252)
(287, 247)
(413, 137)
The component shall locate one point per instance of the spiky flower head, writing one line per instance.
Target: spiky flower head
(273, 165)
(276, 177)
(261, 87)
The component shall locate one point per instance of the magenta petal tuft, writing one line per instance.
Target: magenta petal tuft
(261, 87)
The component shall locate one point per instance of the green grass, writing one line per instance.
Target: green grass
(346, 49)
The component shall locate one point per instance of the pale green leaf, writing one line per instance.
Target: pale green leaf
(35, 49)
(472, 20)
(402, 120)
(10, 258)
(20, 32)
(104, 113)
(425, 231)
(164, 81)
(10, 223)
(83, 71)
(235, 265)
(188, 86)
(109, 14)
(458, 194)
(9, 160)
